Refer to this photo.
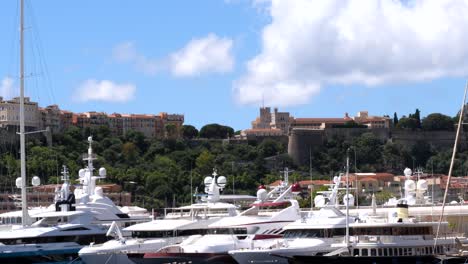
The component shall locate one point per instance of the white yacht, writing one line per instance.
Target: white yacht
(260, 224)
(74, 220)
(177, 225)
(332, 232)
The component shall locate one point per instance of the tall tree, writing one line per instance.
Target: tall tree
(417, 116)
(395, 119)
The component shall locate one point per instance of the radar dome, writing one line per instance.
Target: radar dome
(221, 181)
(319, 201)
(36, 181)
(408, 172)
(262, 195)
(18, 182)
(81, 173)
(208, 180)
(102, 172)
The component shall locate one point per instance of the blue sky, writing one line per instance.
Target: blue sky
(217, 61)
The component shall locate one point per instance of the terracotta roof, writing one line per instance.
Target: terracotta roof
(320, 120)
(368, 179)
(263, 130)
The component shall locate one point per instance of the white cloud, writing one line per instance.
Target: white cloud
(7, 88)
(108, 91)
(208, 54)
(126, 53)
(312, 44)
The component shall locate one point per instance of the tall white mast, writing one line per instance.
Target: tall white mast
(24, 201)
(347, 199)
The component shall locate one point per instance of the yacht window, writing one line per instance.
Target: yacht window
(152, 234)
(337, 232)
(400, 252)
(76, 229)
(365, 252)
(304, 233)
(373, 252)
(356, 252)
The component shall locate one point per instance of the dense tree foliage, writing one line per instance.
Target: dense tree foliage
(216, 131)
(189, 132)
(437, 122)
(407, 123)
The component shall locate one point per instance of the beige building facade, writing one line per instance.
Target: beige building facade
(9, 114)
(57, 120)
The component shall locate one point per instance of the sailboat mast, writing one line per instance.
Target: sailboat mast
(452, 161)
(24, 203)
(347, 199)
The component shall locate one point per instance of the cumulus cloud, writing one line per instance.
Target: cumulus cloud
(312, 44)
(104, 90)
(126, 52)
(7, 87)
(208, 54)
(201, 55)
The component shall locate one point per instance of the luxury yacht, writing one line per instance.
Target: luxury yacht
(261, 223)
(74, 220)
(176, 225)
(332, 232)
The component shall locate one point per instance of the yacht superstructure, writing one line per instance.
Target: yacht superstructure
(261, 223)
(176, 225)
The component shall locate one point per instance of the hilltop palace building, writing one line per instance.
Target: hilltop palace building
(281, 123)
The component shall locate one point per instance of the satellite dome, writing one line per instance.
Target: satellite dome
(408, 172)
(18, 182)
(221, 181)
(36, 181)
(208, 180)
(102, 172)
(81, 173)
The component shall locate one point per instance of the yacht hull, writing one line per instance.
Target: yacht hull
(371, 260)
(180, 258)
(115, 258)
